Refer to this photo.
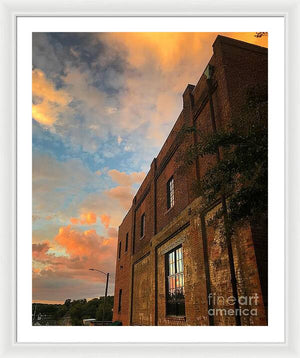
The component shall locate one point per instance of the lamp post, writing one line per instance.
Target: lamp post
(106, 287)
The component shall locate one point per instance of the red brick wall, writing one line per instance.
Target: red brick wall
(123, 269)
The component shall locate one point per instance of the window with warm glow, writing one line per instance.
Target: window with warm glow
(175, 283)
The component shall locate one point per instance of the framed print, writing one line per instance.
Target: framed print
(149, 205)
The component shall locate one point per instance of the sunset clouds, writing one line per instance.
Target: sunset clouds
(48, 102)
(102, 106)
(83, 250)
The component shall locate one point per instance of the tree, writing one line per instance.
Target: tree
(76, 313)
(90, 308)
(67, 302)
(260, 34)
(109, 303)
(241, 173)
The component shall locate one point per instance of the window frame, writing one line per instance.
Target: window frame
(167, 276)
(143, 225)
(170, 193)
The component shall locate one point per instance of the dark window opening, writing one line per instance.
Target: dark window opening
(143, 222)
(126, 243)
(120, 247)
(120, 300)
(170, 193)
(175, 301)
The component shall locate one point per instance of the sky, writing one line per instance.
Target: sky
(102, 107)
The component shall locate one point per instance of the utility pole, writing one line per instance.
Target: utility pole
(106, 288)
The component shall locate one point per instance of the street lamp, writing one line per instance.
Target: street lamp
(106, 287)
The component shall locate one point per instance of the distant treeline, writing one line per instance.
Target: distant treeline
(72, 312)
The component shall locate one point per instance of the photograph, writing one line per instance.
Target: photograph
(149, 179)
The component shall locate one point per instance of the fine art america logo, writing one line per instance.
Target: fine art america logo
(247, 305)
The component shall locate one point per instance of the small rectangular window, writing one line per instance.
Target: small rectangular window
(143, 223)
(175, 301)
(120, 247)
(120, 301)
(126, 243)
(170, 193)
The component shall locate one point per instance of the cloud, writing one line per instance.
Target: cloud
(169, 49)
(49, 103)
(75, 221)
(85, 244)
(112, 232)
(89, 218)
(39, 250)
(58, 185)
(85, 219)
(84, 249)
(108, 202)
(123, 194)
(126, 179)
(105, 219)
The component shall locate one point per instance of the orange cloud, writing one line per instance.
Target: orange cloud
(74, 221)
(124, 194)
(49, 103)
(105, 219)
(39, 250)
(112, 232)
(88, 218)
(62, 277)
(168, 49)
(126, 179)
(77, 243)
(85, 249)
(164, 63)
(85, 219)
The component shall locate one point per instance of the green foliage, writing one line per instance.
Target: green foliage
(77, 310)
(108, 313)
(241, 173)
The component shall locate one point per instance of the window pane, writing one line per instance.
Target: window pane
(171, 257)
(170, 193)
(179, 266)
(172, 268)
(171, 283)
(175, 283)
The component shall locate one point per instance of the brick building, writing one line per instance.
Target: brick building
(165, 244)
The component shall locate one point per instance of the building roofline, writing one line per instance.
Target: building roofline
(242, 44)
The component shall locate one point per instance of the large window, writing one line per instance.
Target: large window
(170, 193)
(175, 283)
(143, 223)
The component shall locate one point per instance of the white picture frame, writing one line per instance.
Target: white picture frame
(9, 13)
